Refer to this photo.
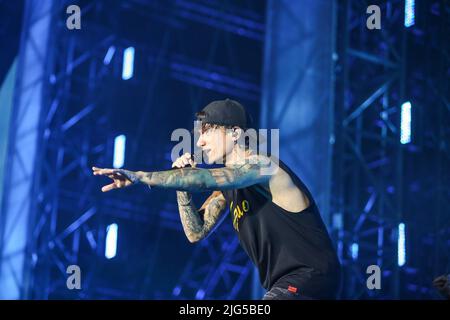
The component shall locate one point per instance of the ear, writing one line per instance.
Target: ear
(236, 133)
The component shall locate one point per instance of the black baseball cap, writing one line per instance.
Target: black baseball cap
(225, 113)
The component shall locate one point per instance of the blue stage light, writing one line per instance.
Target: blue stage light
(111, 241)
(401, 245)
(354, 250)
(128, 63)
(409, 13)
(109, 55)
(176, 291)
(200, 294)
(119, 151)
(405, 123)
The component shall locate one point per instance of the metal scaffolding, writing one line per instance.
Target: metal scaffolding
(19, 201)
(372, 177)
(77, 124)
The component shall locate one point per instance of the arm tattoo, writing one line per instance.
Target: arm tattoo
(200, 180)
(190, 218)
(130, 175)
(194, 228)
(184, 198)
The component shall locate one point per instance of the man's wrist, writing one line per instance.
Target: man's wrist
(134, 177)
(144, 178)
(185, 200)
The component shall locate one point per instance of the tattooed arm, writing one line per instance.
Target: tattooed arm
(200, 180)
(190, 179)
(194, 226)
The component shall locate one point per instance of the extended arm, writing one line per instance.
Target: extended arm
(192, 179)
(199, 180)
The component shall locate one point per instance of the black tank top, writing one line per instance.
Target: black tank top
(289, 249)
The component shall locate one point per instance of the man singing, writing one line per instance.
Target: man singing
(275, 216)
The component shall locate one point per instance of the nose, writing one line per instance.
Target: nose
(200, 142)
